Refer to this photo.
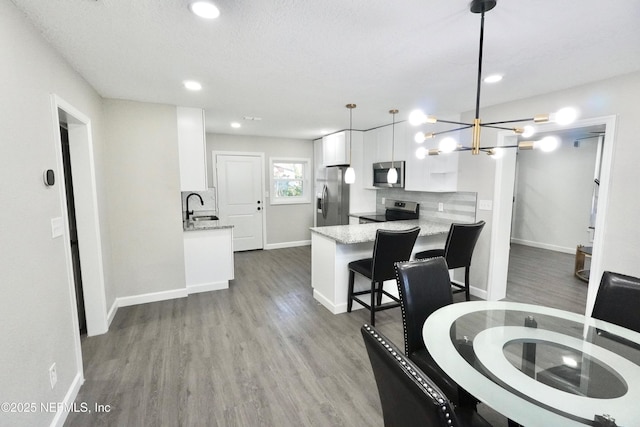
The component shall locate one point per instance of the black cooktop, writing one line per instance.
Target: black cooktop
(396, 210)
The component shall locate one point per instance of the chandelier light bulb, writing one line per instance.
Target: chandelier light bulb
(528, 131)
(420, 137)
(392, 176)
(547, 144)
(350, 176)
(417, 117)
(496, 153)
(421, 153)
(448, 145)
(565, 116)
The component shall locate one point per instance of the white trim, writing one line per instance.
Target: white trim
(112, 311)
(335, 309)
(206, 287)
(88, 221)
(287, 244)
(151, 297)
(501, 219)
(67, 402)
(307, 185)
(541, 245)
(214, 169)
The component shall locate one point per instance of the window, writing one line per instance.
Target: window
(290, 181)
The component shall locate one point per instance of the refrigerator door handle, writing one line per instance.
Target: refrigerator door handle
(325, 201)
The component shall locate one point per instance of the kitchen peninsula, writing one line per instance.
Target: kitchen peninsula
(334, 247)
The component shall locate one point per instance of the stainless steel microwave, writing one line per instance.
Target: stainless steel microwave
(380, 171)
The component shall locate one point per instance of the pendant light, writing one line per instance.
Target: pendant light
(392, 175)
(350, 174)
(562, 117)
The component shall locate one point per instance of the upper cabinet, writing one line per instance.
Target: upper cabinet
(336, 149)
(192, 149)
(433, 173)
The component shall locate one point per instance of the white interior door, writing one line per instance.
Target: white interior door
(240, 201)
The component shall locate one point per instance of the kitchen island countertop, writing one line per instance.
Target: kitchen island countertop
(361, 233)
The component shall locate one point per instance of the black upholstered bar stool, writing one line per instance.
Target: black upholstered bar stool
(458, 250)
(390, 246)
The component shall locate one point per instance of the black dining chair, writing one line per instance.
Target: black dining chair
(390, 246)
(407, 395)
(458, 250)
(617, 302)
(424, 287)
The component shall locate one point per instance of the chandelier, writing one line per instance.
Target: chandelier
(448, 144)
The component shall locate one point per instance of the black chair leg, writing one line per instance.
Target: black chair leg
(373, 305)
(467, 293)
(379, 292)
(350, 291)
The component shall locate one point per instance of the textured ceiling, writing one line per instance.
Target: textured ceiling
(296, 63)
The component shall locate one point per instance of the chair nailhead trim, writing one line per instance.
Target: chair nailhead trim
(413, 372)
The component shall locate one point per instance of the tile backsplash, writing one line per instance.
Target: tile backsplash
(458, 206)
(209, 207)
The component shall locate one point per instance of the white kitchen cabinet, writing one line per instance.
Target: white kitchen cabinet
(192, 149)
(318, 164)
(208, 259)
(433, 173)
(336, 149)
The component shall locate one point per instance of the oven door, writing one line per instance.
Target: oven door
(380, 171)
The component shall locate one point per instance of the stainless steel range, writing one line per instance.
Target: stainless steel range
(395, 210)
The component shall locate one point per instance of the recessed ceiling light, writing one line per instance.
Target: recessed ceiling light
(235, 125)
(494, 78)
(204, 9)
(192, 85)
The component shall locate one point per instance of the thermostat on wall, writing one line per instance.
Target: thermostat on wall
(49, 178)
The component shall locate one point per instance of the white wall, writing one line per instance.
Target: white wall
(553, 196)
(285, 223)
(615, 96)
(145, 217)
(36, 308)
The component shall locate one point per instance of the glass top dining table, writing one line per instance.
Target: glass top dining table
(537, 365)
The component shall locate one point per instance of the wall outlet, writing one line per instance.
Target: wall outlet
(485, 205)
(440, 207)
(384, 200)
(53, 375)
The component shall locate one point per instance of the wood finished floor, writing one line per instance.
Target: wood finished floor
(262, 353)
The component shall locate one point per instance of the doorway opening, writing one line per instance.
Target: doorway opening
(73, 229)
(76, 128)
(503, 209)
(554, 205)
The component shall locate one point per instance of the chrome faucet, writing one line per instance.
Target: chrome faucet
(189, 213)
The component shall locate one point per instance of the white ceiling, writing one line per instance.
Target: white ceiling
(296, 63)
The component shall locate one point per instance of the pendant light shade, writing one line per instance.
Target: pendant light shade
(350, 174)
(392, 175)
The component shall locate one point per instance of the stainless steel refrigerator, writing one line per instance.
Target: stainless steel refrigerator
(332, 200)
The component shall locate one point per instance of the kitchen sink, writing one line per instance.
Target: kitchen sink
(204, 218)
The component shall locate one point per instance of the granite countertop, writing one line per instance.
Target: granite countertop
(204, 225)
(361, 233)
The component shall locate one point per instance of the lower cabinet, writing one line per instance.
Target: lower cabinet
(208, 259)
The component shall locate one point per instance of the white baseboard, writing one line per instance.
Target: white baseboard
(151, 297)
(543, 246)
(287, 244)
(206, 287)
(69, 398)
(328, 304)
(112, 312)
